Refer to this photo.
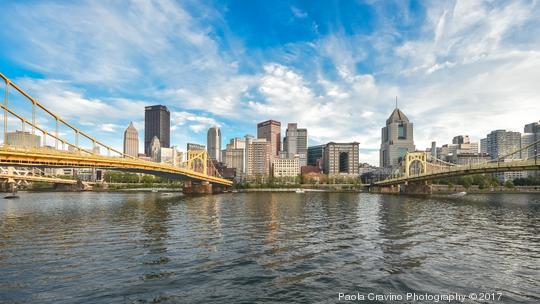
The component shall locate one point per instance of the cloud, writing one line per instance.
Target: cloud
(298, 13)
(457, 67)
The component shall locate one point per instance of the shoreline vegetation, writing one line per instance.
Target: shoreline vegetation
(124, 181)
(177, 187)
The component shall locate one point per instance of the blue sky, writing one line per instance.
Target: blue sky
(334, 67)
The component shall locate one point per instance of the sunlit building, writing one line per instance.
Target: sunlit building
(131, 141)
(396, 139)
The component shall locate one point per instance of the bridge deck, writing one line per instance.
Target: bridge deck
(55, 158)
(521, 165)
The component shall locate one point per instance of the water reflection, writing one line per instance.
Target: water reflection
(263, 247)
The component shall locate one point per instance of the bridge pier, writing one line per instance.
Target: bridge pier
(197, 188)
(416, 188)
(79, 186)
(384, 189)
(9, 185)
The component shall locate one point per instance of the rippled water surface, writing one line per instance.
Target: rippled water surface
(265, 247)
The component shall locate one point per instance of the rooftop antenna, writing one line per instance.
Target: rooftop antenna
(396, 102)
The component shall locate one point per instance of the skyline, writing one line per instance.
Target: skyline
(101, 65)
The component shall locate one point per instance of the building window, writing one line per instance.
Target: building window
(402, 131)
(343, 162)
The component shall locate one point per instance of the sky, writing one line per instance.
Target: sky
(333, 67)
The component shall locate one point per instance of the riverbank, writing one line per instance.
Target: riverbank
(297, 190)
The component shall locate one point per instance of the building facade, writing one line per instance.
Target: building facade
(213, 143)
(315, 155)
(396, 139)
(233, 155)
(157, 122)
(195, 147)
(341, 158)
(295, 143)
(170, 156)
(23, 139)
(271, 131)
(500, 143)
(131, 141)
(531, 135)
(286, 167)
(258, 157)
(155, 146)
(460, 150)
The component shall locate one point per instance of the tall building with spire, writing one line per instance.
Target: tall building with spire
(131, 141)
(213, 143)
(396, 139)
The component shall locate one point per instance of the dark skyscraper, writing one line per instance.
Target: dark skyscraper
(157, 122)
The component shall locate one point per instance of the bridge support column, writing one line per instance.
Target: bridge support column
(79, 186)
(416, 188)
(384, 189)
(197, 188)
(9, 185)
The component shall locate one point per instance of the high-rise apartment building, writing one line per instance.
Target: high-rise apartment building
(271, 131)
(257, 156)
(213, 143)
(500, 143)
(341, 158)
(396, 139)
(157, 122)
(295, 143)
(131, 141)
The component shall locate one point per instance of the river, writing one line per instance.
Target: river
(267, 247)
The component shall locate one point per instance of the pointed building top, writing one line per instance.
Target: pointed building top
(397, 116)
(131, 128)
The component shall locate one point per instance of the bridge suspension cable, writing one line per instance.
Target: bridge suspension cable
(34, 153)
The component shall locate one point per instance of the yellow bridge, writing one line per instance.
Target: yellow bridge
(54, 150)
(417, 168)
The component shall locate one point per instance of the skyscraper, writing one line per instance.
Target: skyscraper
(501, 143)
(157, 122)
(213, 143)
(271, 131)
(131, 141)
(295, 143)
(396, 139)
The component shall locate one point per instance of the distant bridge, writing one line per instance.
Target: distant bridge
(417, 168)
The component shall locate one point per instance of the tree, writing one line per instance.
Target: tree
(508, 184)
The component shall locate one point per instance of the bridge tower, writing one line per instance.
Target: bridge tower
(417, 162)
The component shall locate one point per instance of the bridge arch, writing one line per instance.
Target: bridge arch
(415, 163)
